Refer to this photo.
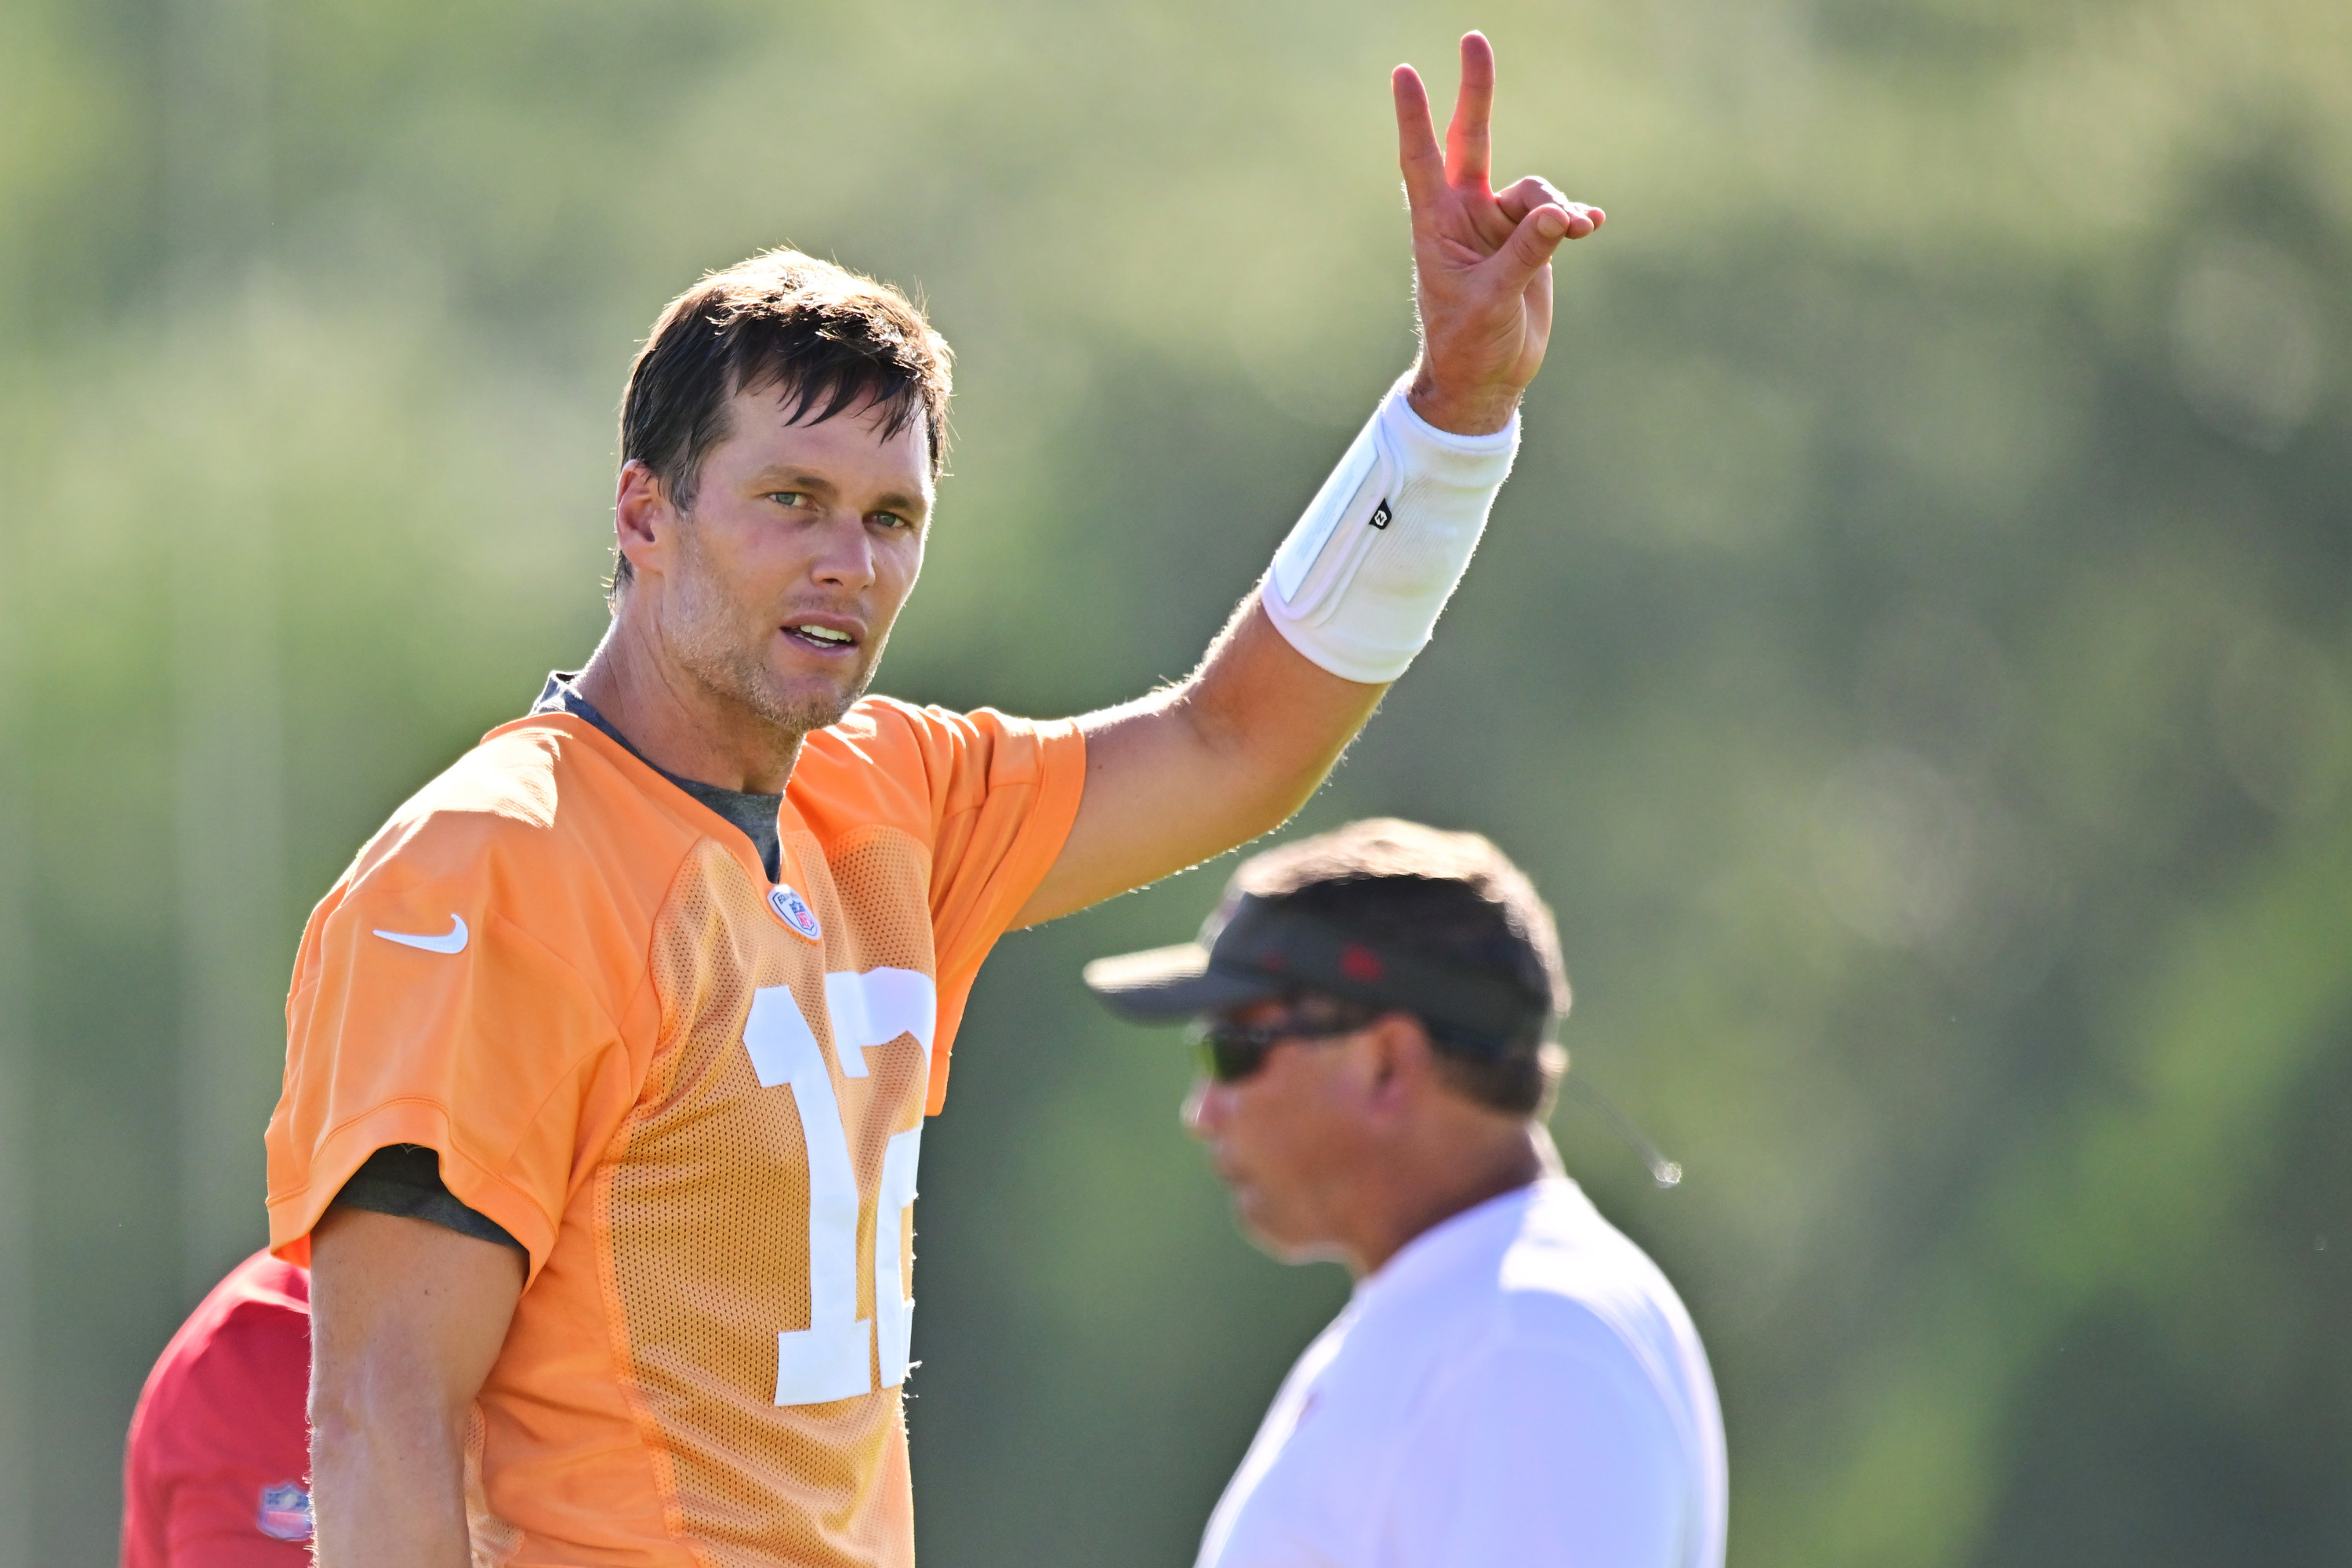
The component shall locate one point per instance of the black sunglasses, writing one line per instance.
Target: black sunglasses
(1230, 1052)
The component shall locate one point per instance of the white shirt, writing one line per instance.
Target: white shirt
(1519, 1385)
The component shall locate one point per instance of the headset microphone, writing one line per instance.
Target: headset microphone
(1665, 1172)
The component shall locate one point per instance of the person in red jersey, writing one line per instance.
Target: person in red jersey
(217, 1472)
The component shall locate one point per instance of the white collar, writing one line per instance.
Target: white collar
(1437, 1250)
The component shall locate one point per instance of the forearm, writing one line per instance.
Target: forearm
(1269, 718)
(406, 1319)
(387, 1482)
(1188, 771)
(1244, 741)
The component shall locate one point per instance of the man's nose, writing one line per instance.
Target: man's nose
(1203, 1110)
(845, 553)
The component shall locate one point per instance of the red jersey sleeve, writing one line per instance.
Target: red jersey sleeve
(216, 1471)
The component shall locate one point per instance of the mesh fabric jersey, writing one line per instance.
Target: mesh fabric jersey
(695, 1098)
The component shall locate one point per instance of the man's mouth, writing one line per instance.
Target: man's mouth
(828, 639)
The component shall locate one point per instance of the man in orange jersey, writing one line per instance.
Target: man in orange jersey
(608, 1057)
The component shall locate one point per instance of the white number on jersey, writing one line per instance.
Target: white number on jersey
(827, 1360)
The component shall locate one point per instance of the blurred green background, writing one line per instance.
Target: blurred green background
(1912, 657)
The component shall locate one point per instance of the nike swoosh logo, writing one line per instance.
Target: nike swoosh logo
(454, 943)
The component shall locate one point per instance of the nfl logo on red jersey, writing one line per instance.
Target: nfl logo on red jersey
(795, 912)
(285, 1512)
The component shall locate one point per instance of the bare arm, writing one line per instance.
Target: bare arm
(1190, 771)
(1182, 775)
(405, 1318)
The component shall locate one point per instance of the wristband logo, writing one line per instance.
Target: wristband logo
(1381, 514)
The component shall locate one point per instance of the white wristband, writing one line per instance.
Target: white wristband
(1358, 584)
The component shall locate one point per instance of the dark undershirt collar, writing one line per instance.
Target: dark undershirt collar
(752, 814)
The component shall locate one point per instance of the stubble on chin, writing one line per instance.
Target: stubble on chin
(740, 677)
(732, 665)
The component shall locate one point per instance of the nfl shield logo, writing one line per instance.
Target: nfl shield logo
(285, 1512)
(795, 912)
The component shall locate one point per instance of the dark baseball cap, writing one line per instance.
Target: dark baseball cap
(1262, 951)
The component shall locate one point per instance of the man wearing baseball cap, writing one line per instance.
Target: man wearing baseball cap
(1513, 1381)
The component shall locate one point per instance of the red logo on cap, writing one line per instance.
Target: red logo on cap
(1359, 962)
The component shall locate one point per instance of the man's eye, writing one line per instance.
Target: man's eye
(891, 520)
(789, 497)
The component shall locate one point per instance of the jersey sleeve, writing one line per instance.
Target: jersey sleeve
(995, 797)
(1012, 789)
(446, 996)
(1560, 1453)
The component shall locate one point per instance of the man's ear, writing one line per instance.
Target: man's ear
(1397, 1063)
(642, 517)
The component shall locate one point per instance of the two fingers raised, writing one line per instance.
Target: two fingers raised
(1464, 163)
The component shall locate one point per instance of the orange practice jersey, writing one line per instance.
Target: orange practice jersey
(696, 1098)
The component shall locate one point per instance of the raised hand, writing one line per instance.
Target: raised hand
(1481, 259)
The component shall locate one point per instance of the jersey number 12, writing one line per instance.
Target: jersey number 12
(829, 1359)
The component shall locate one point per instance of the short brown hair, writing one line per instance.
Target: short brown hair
(826, 337)
(1449, 896)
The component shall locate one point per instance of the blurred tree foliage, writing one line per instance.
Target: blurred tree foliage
(1911, 656)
